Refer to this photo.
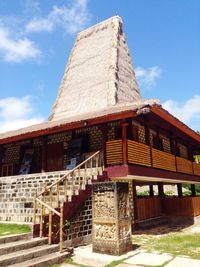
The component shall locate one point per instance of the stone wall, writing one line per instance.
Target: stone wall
(17, 193)
(79, 231)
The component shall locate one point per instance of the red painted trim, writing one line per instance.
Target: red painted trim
(124, 170)
(70, 126)
(165, 115)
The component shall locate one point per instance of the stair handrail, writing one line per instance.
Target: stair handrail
(71, 171)
(51, 210)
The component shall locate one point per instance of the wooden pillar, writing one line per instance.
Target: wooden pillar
(104, 130)
(180, 192)
(161, 195)
(147, 133)
(172, 144)
(44, 155)
(151, 193)
(160, 190)
(193, 190)
(124, 141)
(135, 201)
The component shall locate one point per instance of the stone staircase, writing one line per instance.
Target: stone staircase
(57, 205)
(24, 251)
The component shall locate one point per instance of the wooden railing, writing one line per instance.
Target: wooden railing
(52, 198)
(114, 154)
(138, 153)
(184, 165)
(163, 160)
(142, 154)
(196, 168)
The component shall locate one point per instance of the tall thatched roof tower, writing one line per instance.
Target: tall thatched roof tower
(99, 73)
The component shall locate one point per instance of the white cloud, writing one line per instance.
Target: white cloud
(187, 112)
(16, 113)
(147, 77)
(71, 19)
(16, 50)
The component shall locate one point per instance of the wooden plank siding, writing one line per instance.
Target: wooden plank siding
(144, 155)
(181, 206)
(114, 153)
(196, 168)
(138, 153)
(148, 208)
(184, 165)
(163, 160)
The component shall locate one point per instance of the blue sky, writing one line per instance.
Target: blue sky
(36, 37)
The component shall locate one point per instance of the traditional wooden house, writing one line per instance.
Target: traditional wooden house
(100, 129)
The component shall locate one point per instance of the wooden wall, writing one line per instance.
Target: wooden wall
(148, 208)
(171, 206)
(181, 206)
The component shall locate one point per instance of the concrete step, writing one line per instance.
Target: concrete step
(21, 245)
(44, 261)
(13, 238)
(27, 254)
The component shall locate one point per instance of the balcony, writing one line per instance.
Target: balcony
(131, 152)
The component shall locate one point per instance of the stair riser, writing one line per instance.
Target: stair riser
(25, 245)
(8, 239)
(31, 255)
(47, 263)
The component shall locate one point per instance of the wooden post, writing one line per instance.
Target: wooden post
(57, 195)
(104, 130)
(34, 208)
(61, 229)
(73, 183)
(179, 188)
(161, 195)
(50, 217)
(193, 190)
(147, 134)
(41, 220)
(44, 155)
(124, 142)
(135, 201)
(160, 190)
(79, 179)
(151, 193)
(172, 144)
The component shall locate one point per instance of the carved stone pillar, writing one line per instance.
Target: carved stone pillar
(111, 218)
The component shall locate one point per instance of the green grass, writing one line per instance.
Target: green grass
(10, 229)
(173, 243)
(72, 262)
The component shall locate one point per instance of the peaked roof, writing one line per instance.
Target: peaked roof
(99, 73)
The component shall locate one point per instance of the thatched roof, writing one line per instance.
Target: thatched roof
(99, 73)
(99, 80)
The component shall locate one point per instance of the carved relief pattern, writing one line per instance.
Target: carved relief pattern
(123, 206)
(104, 205)
(105, 231)
(124, 232)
